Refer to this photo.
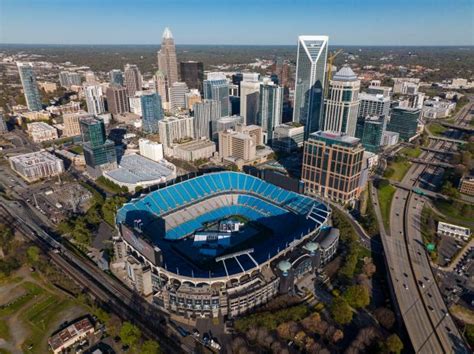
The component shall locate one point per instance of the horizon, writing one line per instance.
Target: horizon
(249, 22)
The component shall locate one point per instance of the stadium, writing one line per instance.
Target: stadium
(221, 243)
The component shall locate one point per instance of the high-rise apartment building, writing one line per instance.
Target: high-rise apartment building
(373, 105)
(310, 80)
(404, 121)
(133, 79)
(192, 97)
(116, 77)
(175, 129)
(68, 79)
(205, 113)
(192, 73)
(223, 124)
(240, 144)
(41, 131)
(36, 165)
(152, 111)
(90, 77)
(332, 164)
(270, 108)
(94, 99)
(216, 88)
(150, 149)
(167, 63)
(249, 97)
(99, 152)
(178, 91)
(117, 99)
(30, 87)
(342, 102)
(71, 123)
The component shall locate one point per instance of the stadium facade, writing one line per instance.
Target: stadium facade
(222, 243)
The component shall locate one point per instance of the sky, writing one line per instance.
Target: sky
(254, 22)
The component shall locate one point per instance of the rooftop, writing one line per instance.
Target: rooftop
(335, 138)
(34, 158)
(134, 169)
(345, 74)
(167, 33)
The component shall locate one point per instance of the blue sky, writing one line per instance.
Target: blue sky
(365, 22)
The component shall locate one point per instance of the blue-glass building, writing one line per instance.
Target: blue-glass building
(152, 111)
(30, 87)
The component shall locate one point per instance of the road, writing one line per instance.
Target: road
(418, 299)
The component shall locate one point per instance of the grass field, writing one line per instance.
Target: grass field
(436, 129)
(385, 201)
(455, 211)
(397, 170)
(411, 152)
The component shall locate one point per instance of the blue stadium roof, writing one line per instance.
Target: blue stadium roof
(289, 215)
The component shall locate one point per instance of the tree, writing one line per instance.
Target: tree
(369, 269)
(470, 334)
(33, 254)
(385, 317)
(150, 347)
(357, 296)
(341, 311)
(130, 334)
(394, 344)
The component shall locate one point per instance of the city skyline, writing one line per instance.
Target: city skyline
(345, 22)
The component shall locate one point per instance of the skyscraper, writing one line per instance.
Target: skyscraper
(249, 92)
(99, 152)
(237, 79)
(133, 79)
(178, 91)
(216, 87)
(117, 99)
(270, 108)
(192, 73)
(152, 111)
(167, 57)
(30, 87)
(372, 133)
(205, 113)
(332, 165)
(342, 103)
(309, 87)
(68, 79)
(116, 77)
(94, 99)
(161, 86)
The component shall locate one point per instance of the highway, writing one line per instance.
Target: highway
(418, 299)
(111, 293)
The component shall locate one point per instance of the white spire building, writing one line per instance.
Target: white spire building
(167, 63)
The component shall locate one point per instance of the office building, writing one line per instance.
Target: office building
(223, 124)
(385, 91)
(466, 185)
(310, 80)
(332, 164)
(41, 131)
(68, 79)
(136, 104)
(216, 88)
(437, 108)
(192, 73)
(34, 166)
(150, 149)
(161, 87)
(194, 150)
(237, 146)
(254, 131)
(178, 91)
(236, 80)
(151, 111)
(390, 138)
(405, 85)
(342, 102)
(233, 90)
(139, 276)
(372, 133)
(117, 99)
(373, 105)
(404, 121)
(133, 79)
(94, 99)
(249, 97)
(71, 123)
(167, 63)
(270, 108)
(205, 113)
(116, 77)
(30, 87)
(191, 98)
(99, 152)
(174, 130)
(288, 137)
(456, 231)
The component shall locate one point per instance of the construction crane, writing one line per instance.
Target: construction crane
(329, 70)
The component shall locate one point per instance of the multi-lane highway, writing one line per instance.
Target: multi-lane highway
(418, 299)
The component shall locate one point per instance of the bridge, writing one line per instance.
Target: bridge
(438, 151)
(457, 141)
(431, 163)
(464, 128)
(421, 191)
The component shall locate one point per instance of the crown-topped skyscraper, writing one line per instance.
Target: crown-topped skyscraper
(167, 57)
